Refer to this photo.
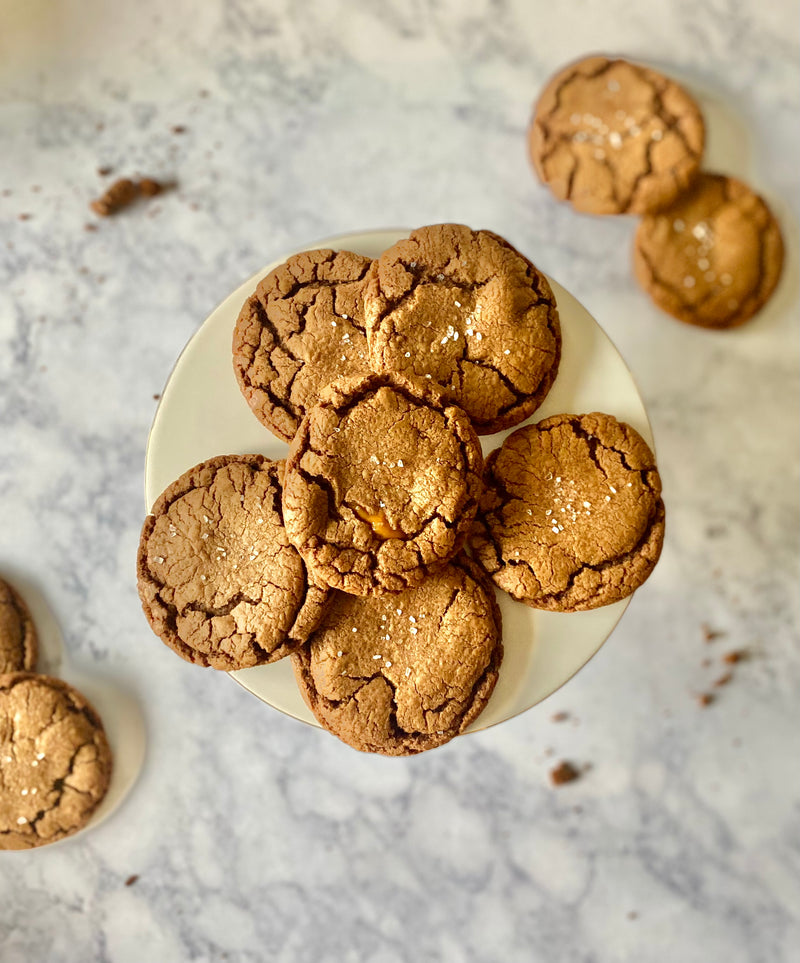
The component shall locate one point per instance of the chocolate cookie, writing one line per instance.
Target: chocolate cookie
(405, 673)
(714, 257)
(218, 579)
(572, 516)
(382, 482)
(55, 763)
(303, 328)
(464, 309)
(612, 137)
(18, 641)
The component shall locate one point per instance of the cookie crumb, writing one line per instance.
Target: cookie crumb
(120, 194)
(563, 773)
(178, 129)
(559, 716)
(149, 186)
(105, 171)
(633, 915)
(24, 217)
(90, 227)
(724, 679)
(132, 879)
(710, 634)
(737, 655)
(705, 699)
(156, 397)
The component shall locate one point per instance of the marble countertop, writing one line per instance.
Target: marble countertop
(257, 838)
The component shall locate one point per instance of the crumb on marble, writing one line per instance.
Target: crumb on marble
(705, 699)
(563, 773)
(710, 634)
(132, 879)
(561, 716)
(737, 655)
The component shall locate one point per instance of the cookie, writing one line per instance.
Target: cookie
(55, 762)
(219, 582)
(572, 516)
(612, 137)
(303, 328)
(18, 640)
(714, 257)
(404, 673)
(382, 482)
(465, 310)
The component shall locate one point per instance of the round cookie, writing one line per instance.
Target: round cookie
(18, 640)
(404, 673)
(572, 516)
(612, 137)
(714, 257)
(301, 329)
(55, 762)
(219, 582)
(464, 309)
(382, 482)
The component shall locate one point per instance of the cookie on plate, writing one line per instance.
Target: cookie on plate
(301, 329)
(218, 579)
(612, 137)
(404, 673)
(714, 257)
(18, 640)
(382, 482)
(464, 309)
(55, 762)
(572, 516)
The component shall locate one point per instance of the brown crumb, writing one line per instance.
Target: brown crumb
(132, 879)
(705, 699)
(99, 125)
(156, 397)
(706, 663)
(105, 171)
(559, 716)
(564, 772)
(120, 194)
(7, 192)
(24, 217)
(149, 186)
(633, 915)
(724, 679)
(203, 93)
(90, 227)
(36, 189)
(737, 655)
(178, 129)
(710, 634)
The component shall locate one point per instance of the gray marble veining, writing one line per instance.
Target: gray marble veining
(254, 837)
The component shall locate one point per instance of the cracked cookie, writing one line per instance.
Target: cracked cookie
(18, 640)
(218, 579)
(714, 257)
(382, 482)
(572, 516)
(404, 673)
(55, 762)
(612, 137)
(465, 310)
(302, 329)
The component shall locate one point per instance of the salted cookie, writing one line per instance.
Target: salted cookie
(218, 579)
(572, 516)
(302, 329)
(714, 257)
(464, 309)
(382, 482)
(55, 762)
(18, 640)
(612, 137)
(404, 673)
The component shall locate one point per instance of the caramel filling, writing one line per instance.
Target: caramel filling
(380, 524)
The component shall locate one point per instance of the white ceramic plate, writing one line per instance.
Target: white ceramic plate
(202, 413)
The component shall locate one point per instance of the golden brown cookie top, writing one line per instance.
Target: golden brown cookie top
(301, 329)
(407, 672)
(382, 482)
(218, 579)
(465, 310)
(714, 257)
(18, 640)
(612, 137)
(572, 516)
(55, 762)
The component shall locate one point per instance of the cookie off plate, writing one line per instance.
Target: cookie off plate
(202, 413)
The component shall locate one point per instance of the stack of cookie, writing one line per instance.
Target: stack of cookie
(612, 137)
(352, 554)
(55, 762)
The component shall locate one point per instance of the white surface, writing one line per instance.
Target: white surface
(202, 413)
(258, 838)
